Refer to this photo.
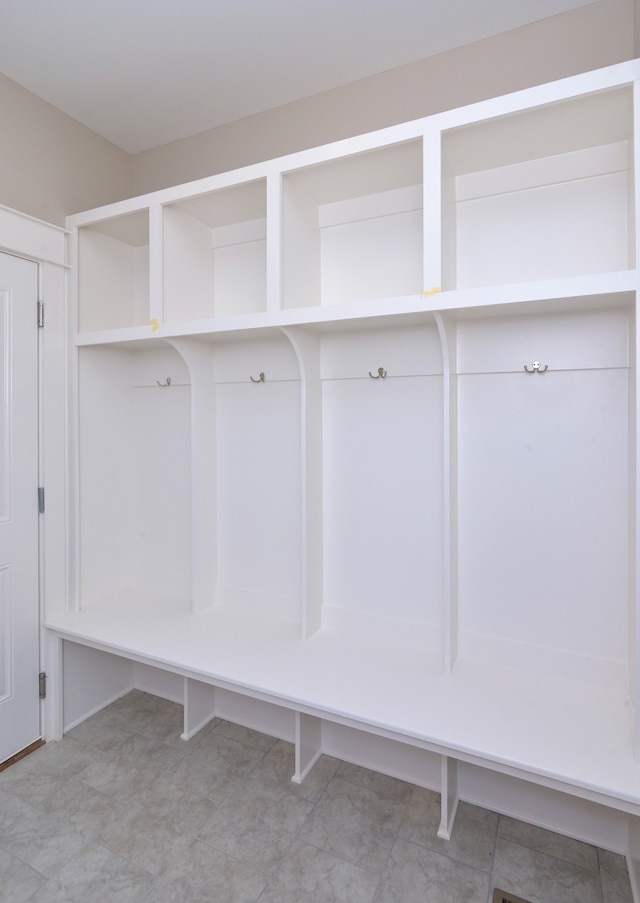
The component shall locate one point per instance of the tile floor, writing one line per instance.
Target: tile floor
(123, 810)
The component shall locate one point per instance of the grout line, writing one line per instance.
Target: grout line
(558, 858)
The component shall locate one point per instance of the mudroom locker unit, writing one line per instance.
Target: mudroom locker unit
(353, 453)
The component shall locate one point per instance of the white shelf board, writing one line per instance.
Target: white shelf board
(600, 290)
(560, 734)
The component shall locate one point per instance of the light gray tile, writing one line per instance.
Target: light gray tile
(92, 811)
(137, 702)
(117, 777)
(381, 784)
(354, 822)
(214, 766)
(147, 832)
(309, 875)
(101, 731)
(11, 808)
(184, 810)
(35, 789)
(415, 874)
(474, 831)
(582, 854)
(150, 754)
(97, 875)
(257, 823)
(167, 726)
(279, 765)
(18, 882)
(129, 699)
(144, 842)
(195, 872)
(539, 877)
(59, 759)
(616, 887)
(244, 735)
(80, 806)
(154, 722)
(43, 840)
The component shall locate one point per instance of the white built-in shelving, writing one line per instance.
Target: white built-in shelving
(355, 435)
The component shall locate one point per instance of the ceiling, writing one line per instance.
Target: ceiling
(146, 72)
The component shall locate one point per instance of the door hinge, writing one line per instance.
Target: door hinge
(40, 314)
(40, 499)
(42, 684)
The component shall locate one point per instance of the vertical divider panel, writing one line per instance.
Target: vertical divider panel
(447, 332)
(274, 242)
(432, 210)
(307, 348)
(73, 476)
(448, 796)
(199, 707)
(634, 528)
(198, 359)
(155, 265)
(308, 745)
(634, 458)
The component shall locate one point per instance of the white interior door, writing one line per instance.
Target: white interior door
(19, 604)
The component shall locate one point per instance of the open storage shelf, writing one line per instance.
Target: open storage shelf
(352, 228)
(395, 509)
(540, 194)
(113, 273)
(214, 253)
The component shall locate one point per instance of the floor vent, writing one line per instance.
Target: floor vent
(501, 896)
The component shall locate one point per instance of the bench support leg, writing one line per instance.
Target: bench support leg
(199, 706)
(448, 796)
(308, 745)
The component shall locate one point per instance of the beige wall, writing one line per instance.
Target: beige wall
(50, 165)
(596, 35)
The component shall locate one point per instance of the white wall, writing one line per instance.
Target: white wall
(590, 37)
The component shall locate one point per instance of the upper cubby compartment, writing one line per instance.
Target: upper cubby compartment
(214, 252)
(352, 228)
(113, 273)
(540, 194)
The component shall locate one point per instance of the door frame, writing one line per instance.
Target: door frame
(47, 245)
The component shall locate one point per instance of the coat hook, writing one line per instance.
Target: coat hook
(260, 379)
(164, 385)
(536, 367)
(380, 374)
